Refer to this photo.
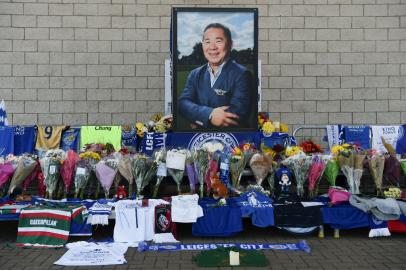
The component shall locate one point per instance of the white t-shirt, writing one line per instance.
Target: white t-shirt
(185, 208)
(135, 223)
(130, 222)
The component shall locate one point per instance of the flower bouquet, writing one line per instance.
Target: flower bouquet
(34, 175)
(139, 166)
(309, 147)
(51, 166)
(391, 172)
(201, 163)
(237, 166)
(68, 169)
(125, 169)
(403, 166)
(25, 167)
(331, 171)
(271, 177)
(106, 171)
(351, 164)
(261, 165)
(175, 164)
(240, 156)
(191, 172)
(299, 165)
(82, 176)
(376, 163)
(84, 169)
(6, 172)
(212, 174)
(160, 160)
(315, 173)
(143, 169)
(225, 175)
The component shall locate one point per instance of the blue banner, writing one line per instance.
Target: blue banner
(300, 246)
(401, 140)
(193, 140)
(24, 139)
(152, 141)
(6, 140)
(70, 139)
(278, 138)
(358, 135)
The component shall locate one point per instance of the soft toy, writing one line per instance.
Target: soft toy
(218, 188)
(284, 177)
(121, 194)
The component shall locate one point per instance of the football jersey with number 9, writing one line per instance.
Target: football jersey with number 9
(49, 137)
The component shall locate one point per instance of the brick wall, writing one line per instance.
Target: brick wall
(102, 61)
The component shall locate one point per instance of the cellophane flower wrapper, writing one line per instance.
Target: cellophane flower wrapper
(25, 167)
(271, 178)
(160, 159)
(82, 176)
(261, 165)
(391, 172)
(68, 169)
(236, 169)
(49, 165)
(105, 174)
(201, 163)
(92, 159)
(176, 172)
(403, 166)
(6, 172)
(212, 170)
(225, 175)
(53, 176)
(247, 151)
(125, 169)
(376, 164)
(299, 165)
(139, 168)
(191, 172)
(351, 164)
(331, 171)
(315, 173)
(34, 175)
(151, 172)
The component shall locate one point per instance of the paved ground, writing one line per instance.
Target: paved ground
(354, 250)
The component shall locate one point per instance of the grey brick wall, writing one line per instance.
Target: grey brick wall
(102, 61)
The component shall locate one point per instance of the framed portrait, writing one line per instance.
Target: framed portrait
(214, 69)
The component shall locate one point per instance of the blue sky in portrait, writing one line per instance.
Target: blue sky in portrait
(190, 28)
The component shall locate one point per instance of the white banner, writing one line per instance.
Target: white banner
(84, 253)
(389, 133)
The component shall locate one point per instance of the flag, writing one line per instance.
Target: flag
(3, 114)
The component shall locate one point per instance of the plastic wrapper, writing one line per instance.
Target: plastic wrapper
(331, 171)
(261, 165)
